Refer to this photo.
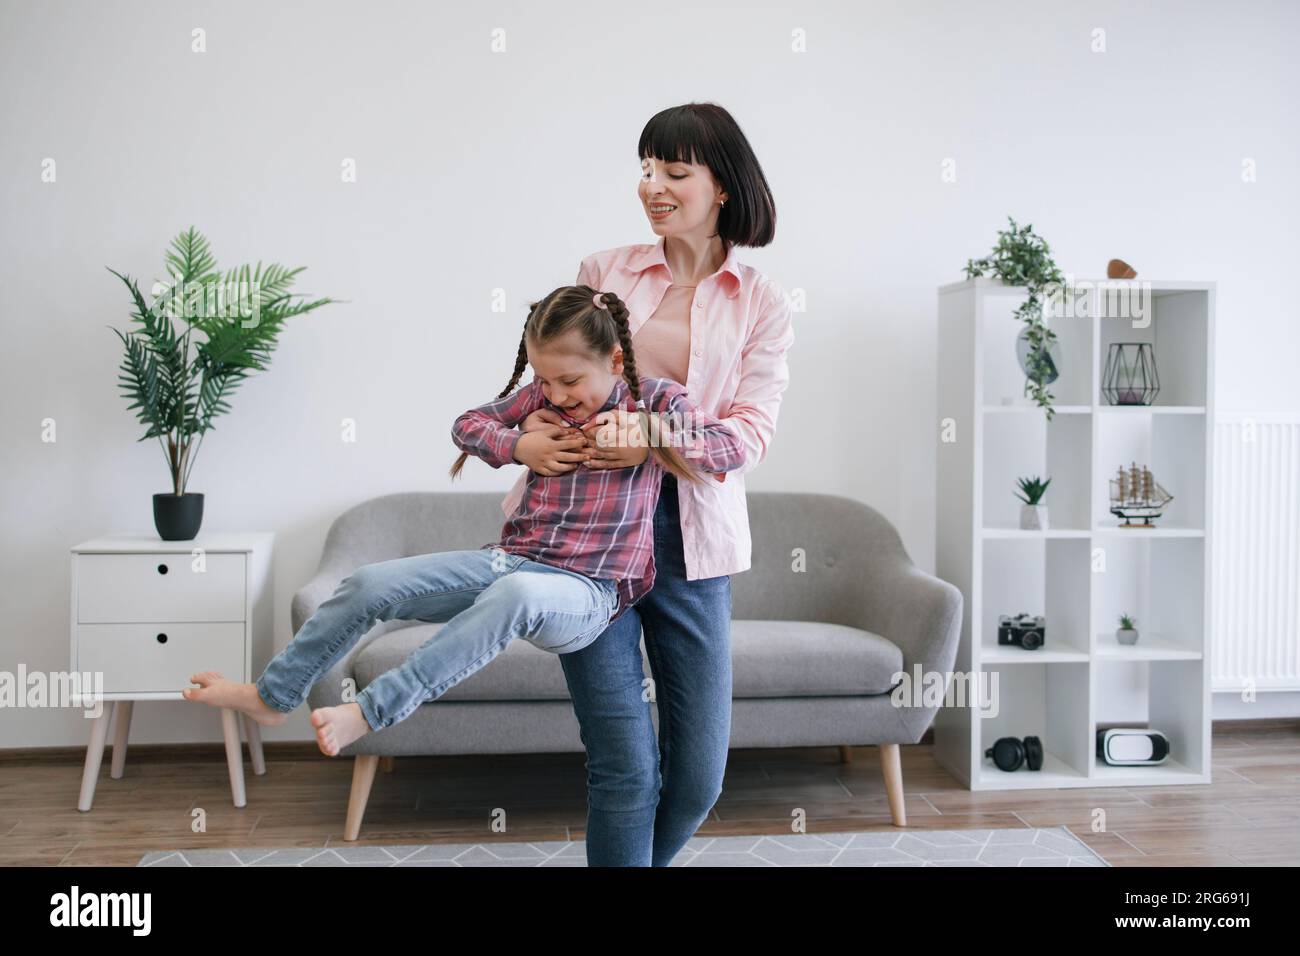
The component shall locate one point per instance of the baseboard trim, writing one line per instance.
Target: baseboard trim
(307, 750)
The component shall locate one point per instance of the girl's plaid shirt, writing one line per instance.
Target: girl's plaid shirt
(597, 522)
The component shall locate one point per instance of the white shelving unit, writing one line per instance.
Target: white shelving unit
(1085, 570)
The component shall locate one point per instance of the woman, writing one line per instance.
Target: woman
(702, 318)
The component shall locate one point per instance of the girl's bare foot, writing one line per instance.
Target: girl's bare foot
(336, 727)
(216, 691)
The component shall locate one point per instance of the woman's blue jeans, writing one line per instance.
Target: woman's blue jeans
(483, 598)
(646, 799)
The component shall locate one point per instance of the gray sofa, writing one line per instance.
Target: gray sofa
(815, 645)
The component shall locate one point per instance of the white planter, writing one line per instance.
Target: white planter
(1126, 635)
(1033, 517)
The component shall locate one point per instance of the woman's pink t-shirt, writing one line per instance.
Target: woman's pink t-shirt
(663, 343)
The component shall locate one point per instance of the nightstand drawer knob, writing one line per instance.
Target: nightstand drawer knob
(162, 569)
(162, 638)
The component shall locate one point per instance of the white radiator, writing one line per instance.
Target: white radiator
(1255, 558)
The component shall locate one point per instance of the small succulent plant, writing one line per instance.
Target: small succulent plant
(1033, 489)
(1127, 623)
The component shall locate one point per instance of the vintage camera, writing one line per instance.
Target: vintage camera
(1023, 630)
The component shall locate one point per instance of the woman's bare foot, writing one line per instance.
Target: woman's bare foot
(336, 727)
(216, 691)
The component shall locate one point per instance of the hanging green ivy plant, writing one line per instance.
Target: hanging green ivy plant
(1024, 259)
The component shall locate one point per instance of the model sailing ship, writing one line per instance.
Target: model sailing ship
(1136, 494)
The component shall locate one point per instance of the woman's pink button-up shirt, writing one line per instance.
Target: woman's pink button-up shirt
(741, 331)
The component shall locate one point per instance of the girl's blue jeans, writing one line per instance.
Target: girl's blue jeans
(483, 598)
(646, 799)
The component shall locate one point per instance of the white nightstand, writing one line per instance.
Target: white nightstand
(148, 613)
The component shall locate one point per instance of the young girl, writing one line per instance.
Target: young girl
(575, 554)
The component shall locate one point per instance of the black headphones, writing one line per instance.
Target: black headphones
(1010, 753)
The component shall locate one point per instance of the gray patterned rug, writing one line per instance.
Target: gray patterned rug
(1048, 846)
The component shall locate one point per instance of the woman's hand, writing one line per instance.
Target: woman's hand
(618, 441)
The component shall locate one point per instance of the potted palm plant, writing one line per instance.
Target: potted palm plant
(1033, 516)
(202, 335)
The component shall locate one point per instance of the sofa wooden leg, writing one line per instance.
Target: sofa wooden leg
(846, 754)
(892, 768)
(387, 763)
(363, 775)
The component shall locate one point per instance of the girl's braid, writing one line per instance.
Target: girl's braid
(521, 362)
(669, 457)
(619, 313)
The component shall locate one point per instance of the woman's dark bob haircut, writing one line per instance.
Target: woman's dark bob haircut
(705, 133)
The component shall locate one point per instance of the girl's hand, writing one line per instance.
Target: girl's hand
(562, 451)
(542, 417)
(550, 450)
(617, 440)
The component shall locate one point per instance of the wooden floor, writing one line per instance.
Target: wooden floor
(1249, 815)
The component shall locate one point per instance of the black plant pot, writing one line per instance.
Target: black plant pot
(177, 517)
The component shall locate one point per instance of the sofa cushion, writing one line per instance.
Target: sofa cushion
(810, 659)
(769, 659)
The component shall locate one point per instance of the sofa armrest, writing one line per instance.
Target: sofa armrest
(922, 615)
(917, 611)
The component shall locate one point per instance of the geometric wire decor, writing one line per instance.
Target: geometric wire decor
(1130, 375)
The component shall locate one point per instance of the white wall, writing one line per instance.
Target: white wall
(478, 171)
